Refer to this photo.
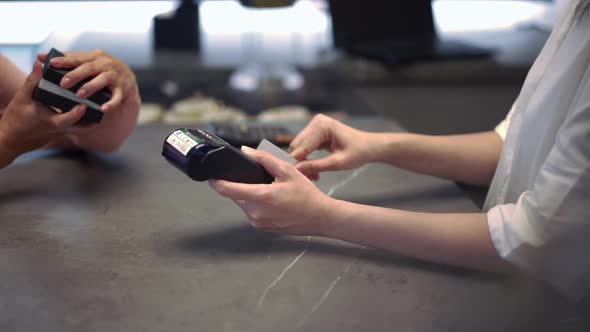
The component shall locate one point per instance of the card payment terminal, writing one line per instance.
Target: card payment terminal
(203, 156)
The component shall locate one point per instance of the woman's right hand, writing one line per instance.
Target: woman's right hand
(349, 147)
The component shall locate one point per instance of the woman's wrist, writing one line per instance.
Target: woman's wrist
(384, 146)
(333, 213)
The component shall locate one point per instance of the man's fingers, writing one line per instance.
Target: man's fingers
(275, 166)
(82, 128)
(64, 120)
(72, 59)
(103, 79)
(234, 190)
(41, 56)
(79, 73)
(115, 101)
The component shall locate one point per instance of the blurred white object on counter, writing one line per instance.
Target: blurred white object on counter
(201, 109)
(150, 113)
(285, 113)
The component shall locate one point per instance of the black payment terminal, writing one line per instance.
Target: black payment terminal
(203, 156)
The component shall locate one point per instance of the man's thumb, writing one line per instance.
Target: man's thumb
(33, 79)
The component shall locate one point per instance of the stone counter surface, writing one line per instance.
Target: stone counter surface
(125, 242)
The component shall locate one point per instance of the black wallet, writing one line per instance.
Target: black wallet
(50, 93)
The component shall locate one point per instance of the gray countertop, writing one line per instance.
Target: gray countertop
(125, 242)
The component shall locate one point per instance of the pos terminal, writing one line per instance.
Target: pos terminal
(203, 156)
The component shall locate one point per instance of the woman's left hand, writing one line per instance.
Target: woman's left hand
(292, 204)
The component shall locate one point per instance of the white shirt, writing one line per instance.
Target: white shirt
(538, 206)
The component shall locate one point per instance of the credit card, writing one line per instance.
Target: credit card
(266, 146)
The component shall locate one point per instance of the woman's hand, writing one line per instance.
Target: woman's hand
(291, 204)
(27, 125)
(349, 147)
(120, 112)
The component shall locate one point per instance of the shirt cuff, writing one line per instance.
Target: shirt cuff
(501, 129)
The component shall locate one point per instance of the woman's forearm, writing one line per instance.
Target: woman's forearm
(470, 158)
(459, 239)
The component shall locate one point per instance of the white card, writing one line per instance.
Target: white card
(266, 146)
(58, 90)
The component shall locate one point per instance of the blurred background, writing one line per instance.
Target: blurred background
(442, 66)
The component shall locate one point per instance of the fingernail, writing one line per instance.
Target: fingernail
(82, 93)
(54, 61)
(65, 81)
(105, 108)
(247, 149)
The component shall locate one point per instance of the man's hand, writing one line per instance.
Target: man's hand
(120, 112)
(27, 125)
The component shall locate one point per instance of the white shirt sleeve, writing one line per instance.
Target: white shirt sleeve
(502, 128)
(547, 231)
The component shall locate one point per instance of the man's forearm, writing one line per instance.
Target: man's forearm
(470, 158)
(11, 79)
(459, 239)
(7, 156)
(61, 142)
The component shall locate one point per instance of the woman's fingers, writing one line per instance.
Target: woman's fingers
(306, 142)
(315, 135)
(312, 168)
(278, 168)
(235, 190)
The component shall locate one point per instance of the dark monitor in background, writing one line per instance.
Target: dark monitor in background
(393, 31)
(178, 30)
